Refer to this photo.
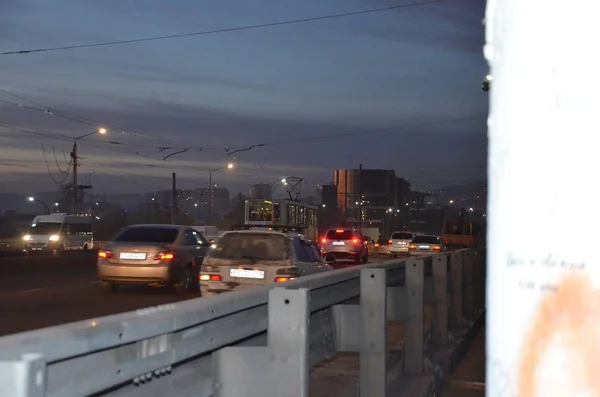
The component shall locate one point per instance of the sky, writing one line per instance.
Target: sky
(398, 89)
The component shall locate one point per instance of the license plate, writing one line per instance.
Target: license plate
(36, 249)
(424, 247)
(132, 255)
(255, 274)
(338, 243)
(401, 242)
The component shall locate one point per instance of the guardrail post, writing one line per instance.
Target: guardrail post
(479, 278)
(24, 377)
(456, 297)
(468, 290)
(414, 327)
(373, 342)
(440, 307)
(279, 369)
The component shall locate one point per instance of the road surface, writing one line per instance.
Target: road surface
(41, 291)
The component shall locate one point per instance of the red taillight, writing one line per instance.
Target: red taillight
(105, 254)
(390, 242)
(412, 247)
(284, 279)
(436, 248)
(210, 277)
(355, 241)
(324, 241)
(164, 256)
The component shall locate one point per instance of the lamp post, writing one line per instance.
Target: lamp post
(75, 163)
(32, 199)
(210, 187)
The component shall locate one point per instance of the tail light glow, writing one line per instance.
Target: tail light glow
(105, 254)
(210, 277)
(284, 279)
(355, 241)
(436, 248)
(412, 247)
(390, 242)
(164, 256)
(324, 241)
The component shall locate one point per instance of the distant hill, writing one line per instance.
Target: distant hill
(468, 195)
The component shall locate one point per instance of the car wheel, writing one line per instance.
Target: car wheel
(187, 283)
(60, 250)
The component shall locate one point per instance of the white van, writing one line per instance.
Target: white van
(58, 233)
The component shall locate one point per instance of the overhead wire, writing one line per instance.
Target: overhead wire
(231, 151)
(66, 174)
(224, 30)
(173, 164)
(173, 145)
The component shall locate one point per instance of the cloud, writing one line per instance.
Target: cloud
(8, 10)
(453, 26)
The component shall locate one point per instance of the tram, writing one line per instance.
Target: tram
(285, 215)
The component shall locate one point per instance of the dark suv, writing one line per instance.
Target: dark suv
(347, 244)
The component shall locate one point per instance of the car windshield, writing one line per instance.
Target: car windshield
(402, 236)
(254, 246)
(44, 228)
(148, 234)
(339, 235)
(426, 240)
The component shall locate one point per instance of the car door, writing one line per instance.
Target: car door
(319, 264)
(192, 247)
(442, 244)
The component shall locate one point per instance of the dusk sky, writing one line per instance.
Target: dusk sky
(353, 75)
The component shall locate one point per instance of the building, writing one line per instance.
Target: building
(261, 191)
(378, 197)
(426, 216)
(328, 216)
(194, 202)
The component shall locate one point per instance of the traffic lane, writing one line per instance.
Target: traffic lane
(40, 271)
(65, 301)
(39, 308)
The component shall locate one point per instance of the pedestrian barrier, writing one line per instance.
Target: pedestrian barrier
(266, 341)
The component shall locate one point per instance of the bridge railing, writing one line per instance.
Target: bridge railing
(264, 341)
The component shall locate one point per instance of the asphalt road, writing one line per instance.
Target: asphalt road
(41, 291)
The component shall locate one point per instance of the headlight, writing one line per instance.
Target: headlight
(213, 246)
(26, 237)
(54, 238)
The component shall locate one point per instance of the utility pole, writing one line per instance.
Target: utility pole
(174, 200)
(210, 188)
(75, 163)
(210, 198)
(74, 160)
(360, 197)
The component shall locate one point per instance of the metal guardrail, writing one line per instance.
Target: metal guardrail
(257, 342)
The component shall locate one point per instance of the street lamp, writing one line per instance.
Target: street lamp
(229, 166)
(75, 158)
(32, 199)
